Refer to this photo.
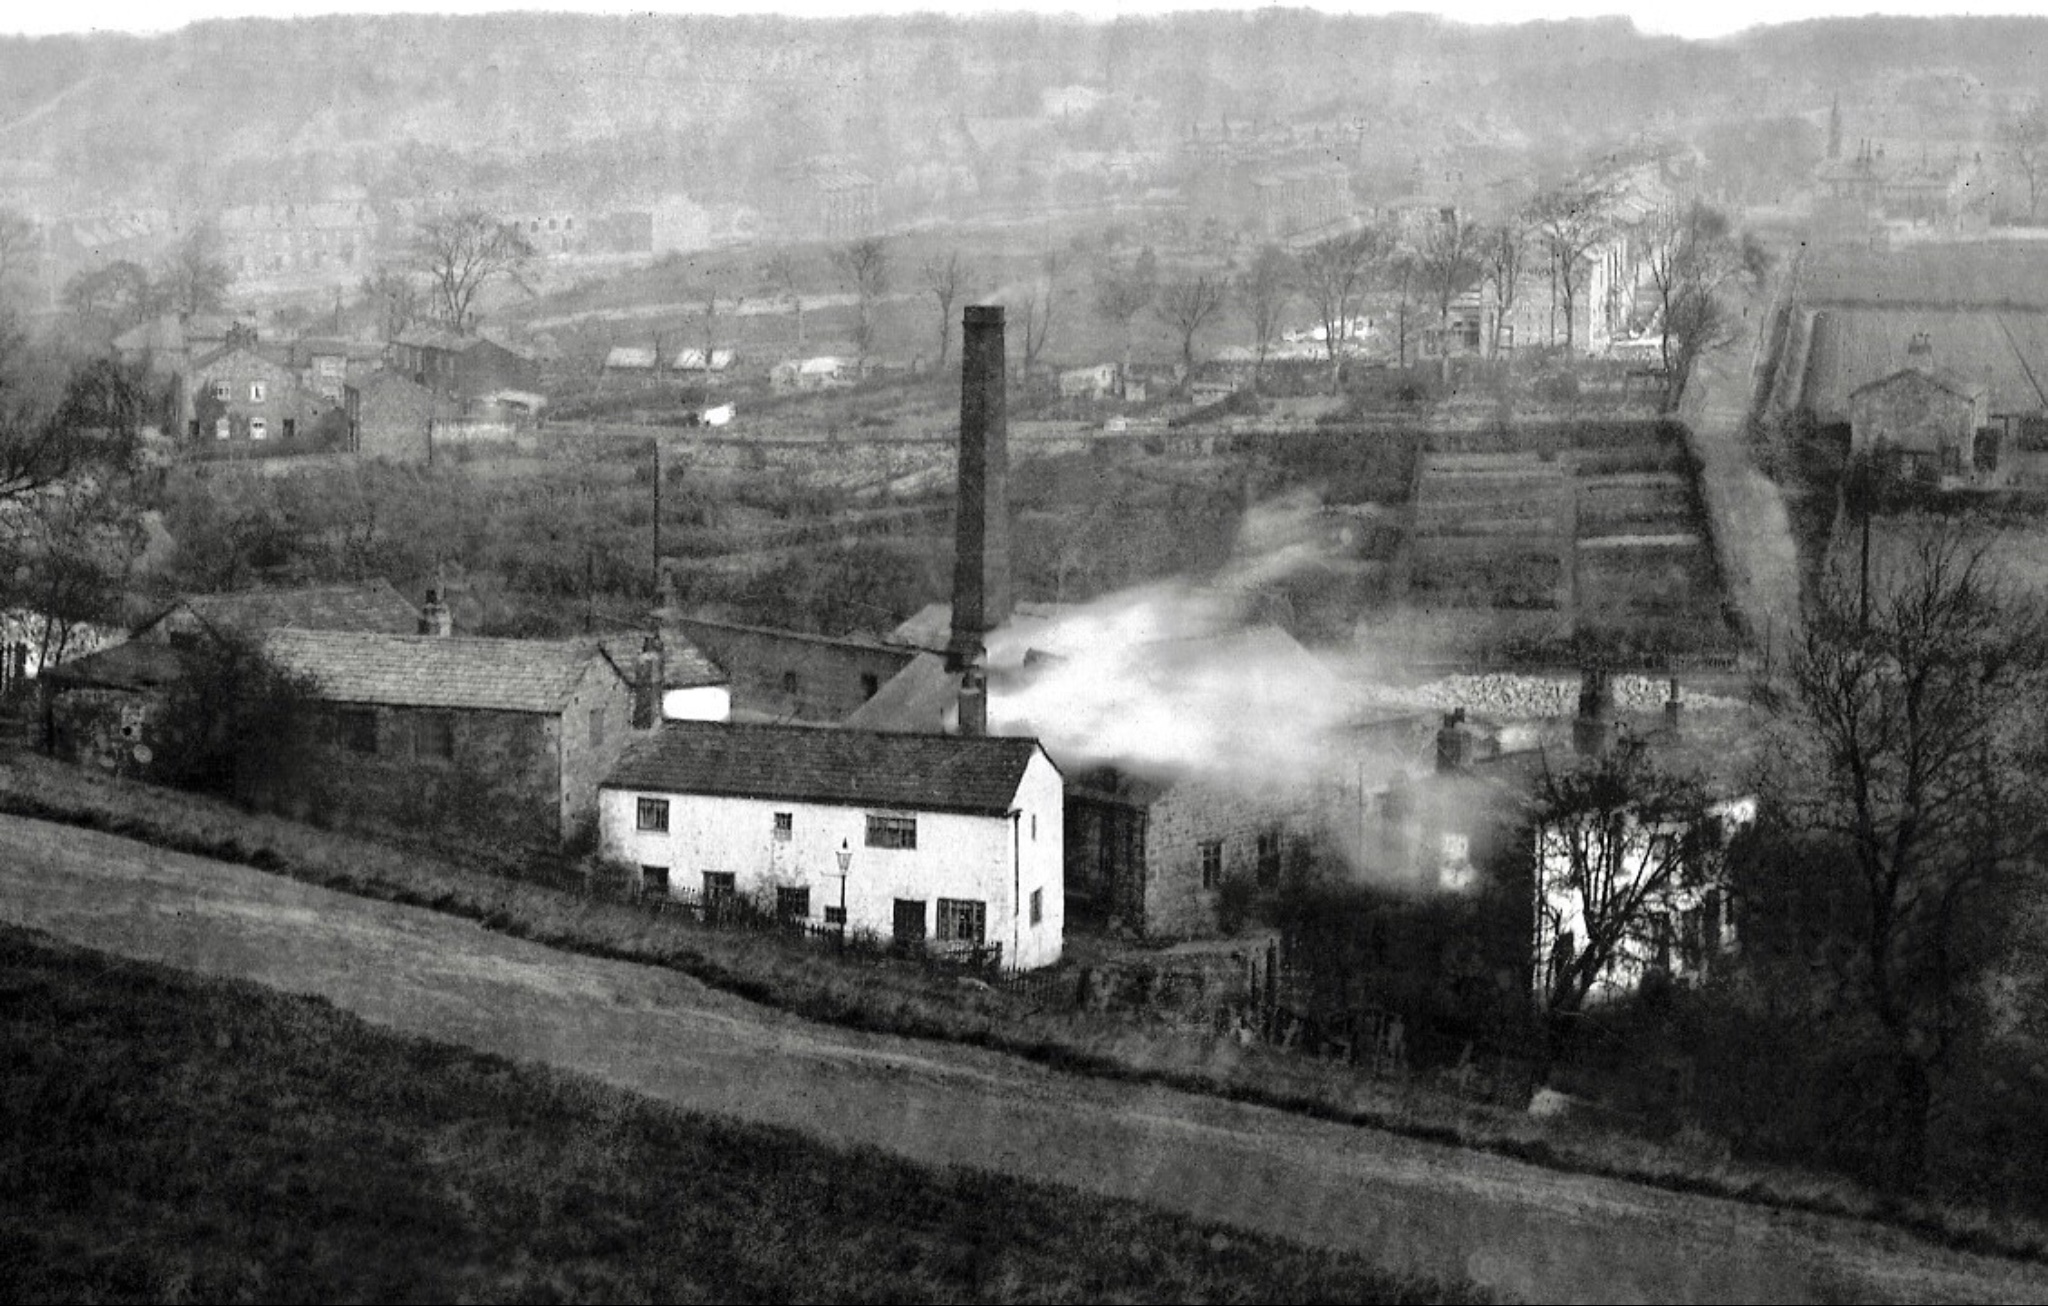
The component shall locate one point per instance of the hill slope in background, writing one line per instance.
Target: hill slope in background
(257, 110)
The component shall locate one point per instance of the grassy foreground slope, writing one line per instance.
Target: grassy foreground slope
(169, 1139)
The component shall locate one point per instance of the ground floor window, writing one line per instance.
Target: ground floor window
(962, 920)
(654, 879)
(719, 886)
(1037, 906)
(1212, 863)
(909, 920)
(793, 904)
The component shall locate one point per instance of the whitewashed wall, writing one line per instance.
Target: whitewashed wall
(995, 860)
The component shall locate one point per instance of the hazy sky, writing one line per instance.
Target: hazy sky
(1685, 18)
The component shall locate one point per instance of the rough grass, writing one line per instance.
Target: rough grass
(905, 1001)
(173, 1139)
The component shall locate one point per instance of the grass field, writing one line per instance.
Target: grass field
(170, 1139)
(906, 1002)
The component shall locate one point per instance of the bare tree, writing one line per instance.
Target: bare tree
(1693, 254)
(2023, 141)
(1619, 841)
(1914, 767)
(1447, 264)
(784, 274)
(195, 277)
(1187, 305)
(1571, 221)
(1334, 274)
(866, 262)
(1263, 292)
(394, 297)
(53, 430)
(1501, 254)
(1122, 293)
(1041, 304)
(461, 253)
(707, 326)
(945, 280)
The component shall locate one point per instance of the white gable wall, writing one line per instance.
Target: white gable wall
(994, 860)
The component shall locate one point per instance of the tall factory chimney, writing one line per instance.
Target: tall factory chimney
(981, 543)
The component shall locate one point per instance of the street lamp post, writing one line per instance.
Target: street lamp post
(845, 856)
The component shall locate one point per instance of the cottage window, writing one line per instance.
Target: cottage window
(1037, 906)
(793, 904)
(908, 922)
(256, 391)
(785, 825)
(720, 886)
(356, 728)
(291, 427)
(654, 814)
(962, 920)
(1269, 857)
(258, 429)
(1212, 862)
(220, 428)
(835, 916)
(221, 391)
(892, 831)
(654, 879)
(597, 727)
(433, 736)
(789, 682)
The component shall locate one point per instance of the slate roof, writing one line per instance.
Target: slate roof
(129, 666)
(503, 675)
(853, 768)
(367, 606)
(684, 665)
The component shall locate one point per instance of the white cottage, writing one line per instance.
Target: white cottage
(924, 838)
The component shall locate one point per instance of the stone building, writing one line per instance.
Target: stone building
(784, 675)
(241, 394)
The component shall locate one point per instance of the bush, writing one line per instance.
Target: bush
(235, 724)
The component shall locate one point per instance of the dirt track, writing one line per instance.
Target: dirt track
(1517, 1228)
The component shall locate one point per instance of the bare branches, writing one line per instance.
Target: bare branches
(945, 280)
(1334, 274)
(2023, 142)
(866, 263)
(1263, 292)
(1502, 251)
(1693, 254)
(1187, 306)
(461, 253)
(1041, 301)
(783, 273)
(1572, 221)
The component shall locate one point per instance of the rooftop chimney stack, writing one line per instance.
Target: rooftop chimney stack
(1674, 707)
(1453, 746)
(981, 543)
(648, 681)
(435, 618)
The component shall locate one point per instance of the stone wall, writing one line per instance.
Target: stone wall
(500, 791)
(595, 730)
(784, 675)
(1193, 813)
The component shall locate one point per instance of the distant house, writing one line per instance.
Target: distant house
(822, 373)
(463, 365)
(244, 393)
(942, 843)
(1097, 382)
(326, 363)
(1925, 420)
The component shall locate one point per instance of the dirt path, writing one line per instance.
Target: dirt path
(1417, 1206)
